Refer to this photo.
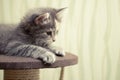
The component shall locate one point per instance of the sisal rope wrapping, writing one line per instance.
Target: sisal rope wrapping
(32, 74)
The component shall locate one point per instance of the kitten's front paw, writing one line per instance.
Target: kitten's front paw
(49, 58)
(60, 52)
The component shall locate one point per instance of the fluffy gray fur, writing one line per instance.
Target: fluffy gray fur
(33, 36)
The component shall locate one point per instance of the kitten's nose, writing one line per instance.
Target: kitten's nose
(53, 40)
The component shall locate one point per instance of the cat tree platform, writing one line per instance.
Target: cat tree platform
(21, 68)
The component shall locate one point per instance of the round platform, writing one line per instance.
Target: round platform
(12, 62)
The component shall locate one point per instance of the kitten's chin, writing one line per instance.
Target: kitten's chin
(46, 44)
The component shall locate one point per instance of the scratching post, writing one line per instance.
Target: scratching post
(21, 68)
(32, 74)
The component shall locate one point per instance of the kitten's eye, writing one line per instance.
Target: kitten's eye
(49, 33)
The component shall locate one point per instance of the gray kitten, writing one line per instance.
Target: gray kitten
(33, 36)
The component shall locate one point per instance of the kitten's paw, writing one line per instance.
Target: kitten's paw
(60, 52)
(49, 58)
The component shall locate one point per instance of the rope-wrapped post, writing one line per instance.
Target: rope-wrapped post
(32, 74)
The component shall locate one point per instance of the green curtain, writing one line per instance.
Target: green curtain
(90, 29)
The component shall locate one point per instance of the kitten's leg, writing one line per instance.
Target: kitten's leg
(26, 50)
(56, 50)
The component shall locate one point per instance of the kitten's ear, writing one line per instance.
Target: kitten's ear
(60, 10)
(58, 14)
(42, 19)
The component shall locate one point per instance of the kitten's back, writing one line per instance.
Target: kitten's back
(6, 31)
(7, 27)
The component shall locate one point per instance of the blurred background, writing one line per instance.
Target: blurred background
(89, 29)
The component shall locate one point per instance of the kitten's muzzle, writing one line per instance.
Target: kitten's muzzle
(53, 40)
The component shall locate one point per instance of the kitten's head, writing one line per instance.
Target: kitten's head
(41, 24)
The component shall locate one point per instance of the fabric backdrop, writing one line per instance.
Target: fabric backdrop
(90, 29)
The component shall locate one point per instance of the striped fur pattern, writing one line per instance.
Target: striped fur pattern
(33, 36)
